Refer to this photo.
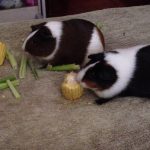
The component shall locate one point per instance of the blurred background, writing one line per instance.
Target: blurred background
(14, 10)
(67, 7)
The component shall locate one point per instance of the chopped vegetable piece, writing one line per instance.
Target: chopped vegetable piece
(23, 67)
(11, 78)
(13, 89)
(33, 69)
(68, 67)
(5, 85)
(11, 59)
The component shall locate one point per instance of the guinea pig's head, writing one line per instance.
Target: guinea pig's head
(97, 73)
(40, 42)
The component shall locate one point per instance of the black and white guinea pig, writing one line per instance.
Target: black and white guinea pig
(64, 42)
(121, 72)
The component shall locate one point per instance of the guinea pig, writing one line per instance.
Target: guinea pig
(64, 42)
(120, 72)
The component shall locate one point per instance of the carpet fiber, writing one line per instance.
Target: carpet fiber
(43, 120)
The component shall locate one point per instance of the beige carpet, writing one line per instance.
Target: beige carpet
(44, 120)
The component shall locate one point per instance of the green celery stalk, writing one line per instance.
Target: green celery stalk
(11, 78)
(99, 25)
(5, 85)
(68, 67)
(11, 59)
(13, 89)
(23, 67)
(33, 69)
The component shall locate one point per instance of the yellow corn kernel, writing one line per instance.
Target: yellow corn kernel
(2, 52)
(70, 88)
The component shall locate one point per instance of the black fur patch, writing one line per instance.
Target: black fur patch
(42, 43)
(102, 74)
(101, 101)
(99, 57)
(140, 83)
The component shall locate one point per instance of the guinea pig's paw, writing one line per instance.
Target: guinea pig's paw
(101, 101)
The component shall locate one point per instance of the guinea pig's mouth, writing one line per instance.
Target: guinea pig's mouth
(89, 84)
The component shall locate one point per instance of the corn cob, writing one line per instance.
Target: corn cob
(70, 88)
(2, 52)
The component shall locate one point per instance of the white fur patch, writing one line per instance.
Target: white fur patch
(124, 63)
(29, 36)
(56, 29)
(95, 45)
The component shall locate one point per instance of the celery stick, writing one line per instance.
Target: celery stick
(33, 69)
(13, 89)
(5, 85)
(11, 59)
(11, 78)
(99, 25)
(23, 67)
(68, 67)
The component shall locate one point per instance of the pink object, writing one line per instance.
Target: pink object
(31, 2)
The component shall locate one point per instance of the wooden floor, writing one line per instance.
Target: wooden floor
(67, 7)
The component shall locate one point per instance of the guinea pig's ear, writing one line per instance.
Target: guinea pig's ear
(35, 27)
(96, 57)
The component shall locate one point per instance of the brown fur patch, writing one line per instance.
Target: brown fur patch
(74, 41)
